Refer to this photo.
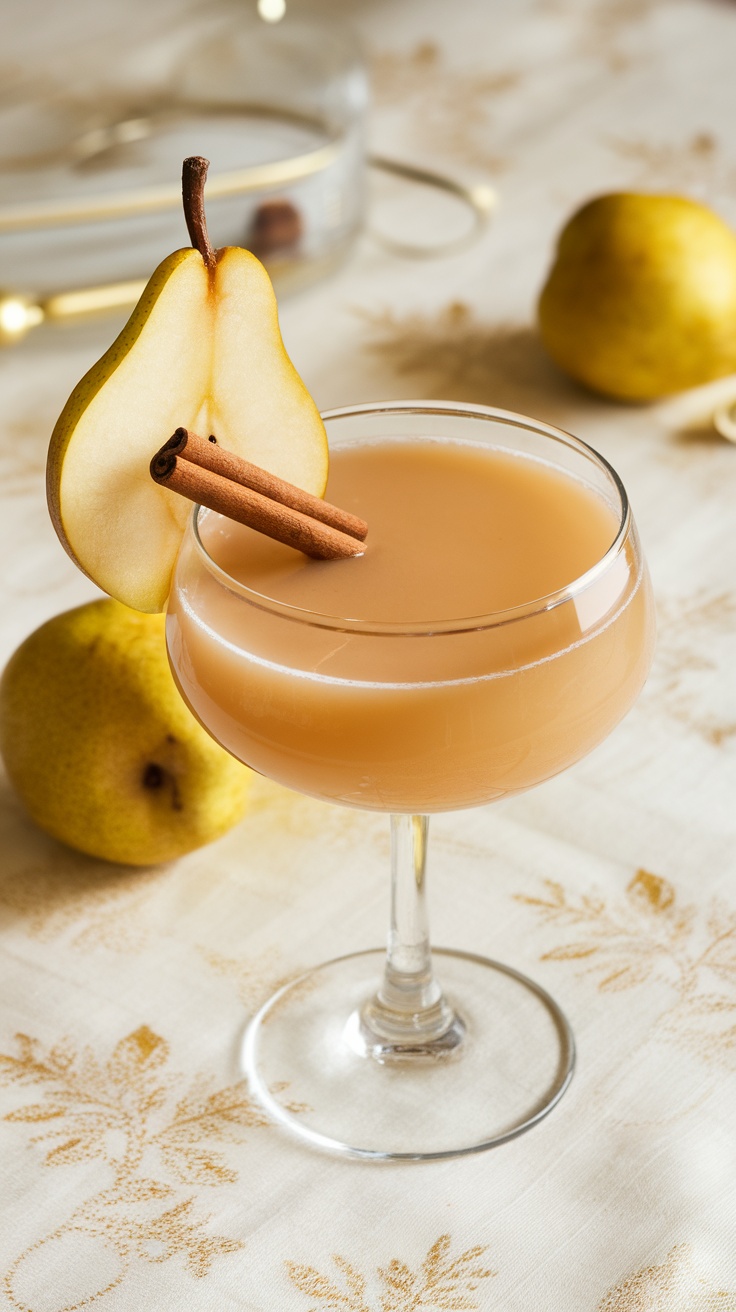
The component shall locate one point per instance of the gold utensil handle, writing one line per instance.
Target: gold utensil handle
(480, 199)
(18, 314)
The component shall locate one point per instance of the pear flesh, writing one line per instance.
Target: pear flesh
(100, 746)
(202, 350)
(641, 300)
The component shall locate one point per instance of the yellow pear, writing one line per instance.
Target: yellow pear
(202, 350)
(641, 299)
(100, 746)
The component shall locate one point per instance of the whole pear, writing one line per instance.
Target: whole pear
(641, 299)
(102, 749)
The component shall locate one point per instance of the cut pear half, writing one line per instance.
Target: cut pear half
(202, 350)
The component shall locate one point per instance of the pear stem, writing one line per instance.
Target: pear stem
(193, 177)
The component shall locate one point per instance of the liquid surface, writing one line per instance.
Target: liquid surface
(455, 531)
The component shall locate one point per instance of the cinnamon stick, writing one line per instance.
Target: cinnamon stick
(210, 455)
(245, 506)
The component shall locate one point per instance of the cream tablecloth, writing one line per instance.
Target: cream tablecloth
(136, 1172)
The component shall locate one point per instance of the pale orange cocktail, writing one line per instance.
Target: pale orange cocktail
(416, 721)
(497, 628)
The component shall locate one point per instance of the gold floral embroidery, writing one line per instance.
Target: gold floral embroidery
(458, 356)
(255, 981)
(101, 905)
(439, 1282)
(254, 978)
(130, 1113)
(605, 27)
(23, 443)
(697, 162)
(23, 456)
(673, 1286)
(649, 936)
(56, 892)
(689, 630)
(449, 109)
(295, 813)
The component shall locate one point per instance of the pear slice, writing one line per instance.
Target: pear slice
(202, 350)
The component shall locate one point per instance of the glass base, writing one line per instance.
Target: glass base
(503, 1062)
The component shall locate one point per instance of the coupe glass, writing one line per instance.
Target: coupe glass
(386, 1058)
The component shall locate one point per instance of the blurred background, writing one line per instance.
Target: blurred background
(540, 104)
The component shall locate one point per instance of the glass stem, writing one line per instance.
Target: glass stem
(408, 981)
(409, 1012)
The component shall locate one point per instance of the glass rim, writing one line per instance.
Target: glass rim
(469, 624)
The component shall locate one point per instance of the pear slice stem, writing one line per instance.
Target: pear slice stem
(193, 178)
